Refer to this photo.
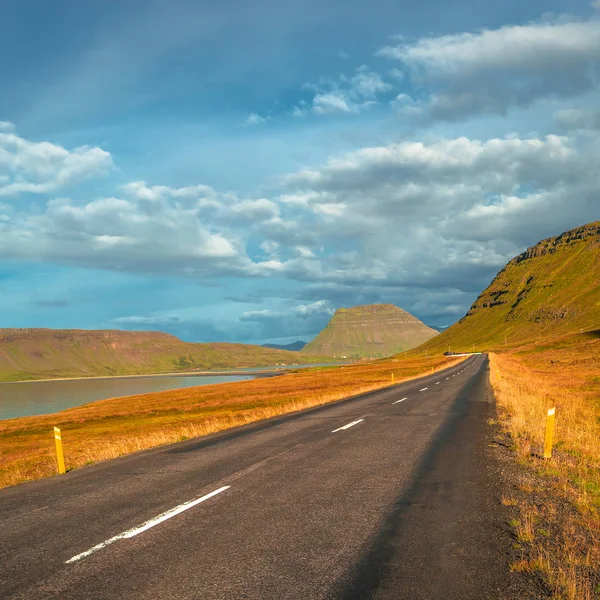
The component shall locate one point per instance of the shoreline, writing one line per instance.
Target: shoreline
(152, 375)
(224, 373)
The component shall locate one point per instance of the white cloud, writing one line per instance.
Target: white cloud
(318, 307)
(43, 167)
(299, 319)
(380, 221)
(298, 199)
(222, 208)
(190, 231)
(269, 247)
(448, 213)
(328, 103)
(368, 84)
(304, 252)
(155, 193)
(114, 234)
(147, 320)
(254, 119)
(489, 71)
(6, 126)
(406, 104)
(345, 94)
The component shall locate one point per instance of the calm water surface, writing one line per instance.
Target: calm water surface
(43, 397)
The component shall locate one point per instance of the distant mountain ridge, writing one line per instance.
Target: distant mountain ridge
(370, 331)
(293, 347)
(551, 289)
(27, 354)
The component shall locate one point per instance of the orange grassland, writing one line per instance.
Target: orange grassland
(560, 520)
(110, 428)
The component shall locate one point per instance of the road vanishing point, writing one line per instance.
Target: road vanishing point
(384, 495)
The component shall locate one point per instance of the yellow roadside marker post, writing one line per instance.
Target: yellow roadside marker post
(392, 379)
(549, 433)
(60, 457)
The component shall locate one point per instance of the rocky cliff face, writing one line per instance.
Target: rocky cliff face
(371, 331)
(551, 245)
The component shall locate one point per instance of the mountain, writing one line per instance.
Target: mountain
(293, 347)
(372, 331)
(48, 353)
(551, 289)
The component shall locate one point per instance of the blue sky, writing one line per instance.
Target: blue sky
(237, 171)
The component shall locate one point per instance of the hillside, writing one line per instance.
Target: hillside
(46, 353)
(294, 346)
(551, 289)
(371, 331)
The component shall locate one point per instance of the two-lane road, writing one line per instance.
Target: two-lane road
(378, 496)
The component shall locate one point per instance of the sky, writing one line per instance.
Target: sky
(237, 171)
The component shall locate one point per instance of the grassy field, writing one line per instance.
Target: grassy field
(560, 521)
(111, 428)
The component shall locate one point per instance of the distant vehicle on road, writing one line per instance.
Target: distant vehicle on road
(449, 353)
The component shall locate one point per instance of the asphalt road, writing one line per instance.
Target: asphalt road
(386, 495)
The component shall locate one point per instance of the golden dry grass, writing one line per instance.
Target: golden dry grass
(565, 375)
(110, 428)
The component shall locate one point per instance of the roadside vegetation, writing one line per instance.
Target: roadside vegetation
(110, 428)
(540, 319)
(559, 523)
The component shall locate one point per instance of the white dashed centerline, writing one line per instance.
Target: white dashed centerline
(423, 389)
(147, 525)
(437, 383)
(348, 426)
(401, 400)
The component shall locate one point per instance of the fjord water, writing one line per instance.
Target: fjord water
(43, 397)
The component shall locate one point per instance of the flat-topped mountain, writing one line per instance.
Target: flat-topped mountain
(50, 353)
(371, 331)
(551, 289)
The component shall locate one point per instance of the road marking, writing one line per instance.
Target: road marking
(437, 383)
(147, 525)
(423, 389)
(348, 426)
(447, 378)
(402, 400)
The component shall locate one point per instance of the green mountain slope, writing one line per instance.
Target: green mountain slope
(551, 289)
(47, 353)
(372, 331)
